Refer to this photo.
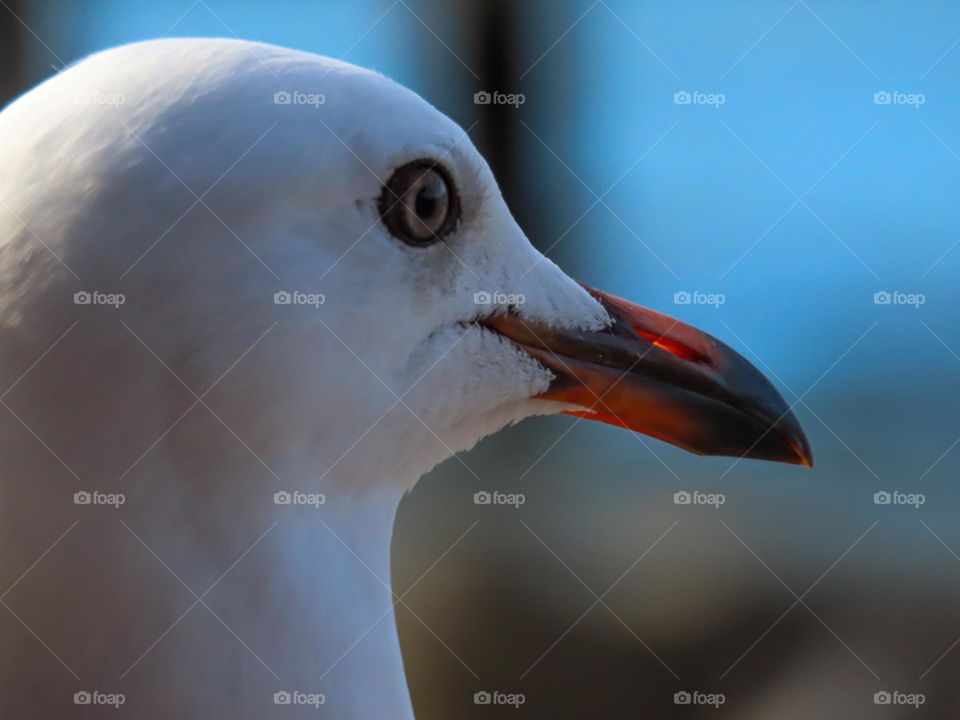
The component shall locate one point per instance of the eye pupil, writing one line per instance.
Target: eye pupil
(419, 204)
(426, 203)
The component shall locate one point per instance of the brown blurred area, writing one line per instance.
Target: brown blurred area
(515, 601)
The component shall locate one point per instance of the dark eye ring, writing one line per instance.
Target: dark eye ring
(419, 204)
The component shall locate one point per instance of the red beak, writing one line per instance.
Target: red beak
(656, 375)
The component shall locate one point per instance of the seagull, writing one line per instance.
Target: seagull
(248, 297)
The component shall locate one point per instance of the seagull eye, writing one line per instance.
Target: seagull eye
(419, 204)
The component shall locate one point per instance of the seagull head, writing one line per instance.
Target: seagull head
(222, 261)
(409, 314)
(435, 294)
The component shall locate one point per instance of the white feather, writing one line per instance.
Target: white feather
(356, 398)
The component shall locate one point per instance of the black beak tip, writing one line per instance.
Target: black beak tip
(795, 448)
(803, 450)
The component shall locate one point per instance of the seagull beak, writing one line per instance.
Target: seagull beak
(656, 375)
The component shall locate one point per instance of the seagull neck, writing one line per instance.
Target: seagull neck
(334, 592)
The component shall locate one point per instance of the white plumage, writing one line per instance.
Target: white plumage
(160, 205)
(102, 169)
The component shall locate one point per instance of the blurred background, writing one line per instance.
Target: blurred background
(784, 175)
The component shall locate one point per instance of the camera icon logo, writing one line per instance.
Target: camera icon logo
(82, 498)
(882, 498)
(282, 697)
(482, 97)
(682, 298)
(882, 698)
(882, 298)
(282, 98)
(282, 298)
(282, 498)
(482, 698)
(482, 298)
(682, 698)
(682, 98)
(82, 698)
(482, 498)
(681, 498)
(82, 298)
(882, 98)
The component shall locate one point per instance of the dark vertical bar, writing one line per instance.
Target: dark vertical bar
(498, 70)
(11, 51)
